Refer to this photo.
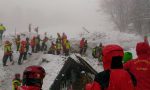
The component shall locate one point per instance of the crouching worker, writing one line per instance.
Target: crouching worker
(114, 77)
(33, 78)
(16, 82)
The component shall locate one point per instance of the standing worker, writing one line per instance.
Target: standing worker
(64, 40)
(44, 44)
(7, 53)
(22, 51)
(37, 42)
(33, 44)
(58, 47)
(18, 42)
(67, 48)
(2, 29)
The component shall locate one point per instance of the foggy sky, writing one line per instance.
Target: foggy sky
(51, 16)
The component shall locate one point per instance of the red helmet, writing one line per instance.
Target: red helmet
(17, 75)
(110, 51)
(36, 72)
(33, 76)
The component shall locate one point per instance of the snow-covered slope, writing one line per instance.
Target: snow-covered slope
(54, 65)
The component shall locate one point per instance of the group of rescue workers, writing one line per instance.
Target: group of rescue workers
(62, 46)
(134, 74)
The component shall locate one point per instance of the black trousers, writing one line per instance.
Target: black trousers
(21, 56)
(5, 57)
(33, 49)
(66, 52)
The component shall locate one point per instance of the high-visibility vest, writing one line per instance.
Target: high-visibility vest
(58, 45)
(15, 84)
(2, 28)
(7, 48)
(68, 45)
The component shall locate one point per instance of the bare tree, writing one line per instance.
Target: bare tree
(125, 12)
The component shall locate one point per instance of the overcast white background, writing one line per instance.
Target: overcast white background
(51, 15)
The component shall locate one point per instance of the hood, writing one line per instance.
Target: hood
(108, 52)
(127, 56)
(142, 50)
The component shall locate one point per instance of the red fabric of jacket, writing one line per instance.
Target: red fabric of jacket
(82, 43)
(119, 79)
(140, 67)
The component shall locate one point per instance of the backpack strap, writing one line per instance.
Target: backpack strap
(134, 81)
(103, 79)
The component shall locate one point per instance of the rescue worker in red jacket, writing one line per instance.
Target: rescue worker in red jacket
(114, 77)
(33, 78)
(82, 43)
(140, 67)
(22, 51)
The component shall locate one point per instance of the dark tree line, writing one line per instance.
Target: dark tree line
(130, 15)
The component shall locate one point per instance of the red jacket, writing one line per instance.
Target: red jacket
(28, 88)
(22, 48)
(82, 43)
(118, 79)
(32, 43)
(140, 67)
